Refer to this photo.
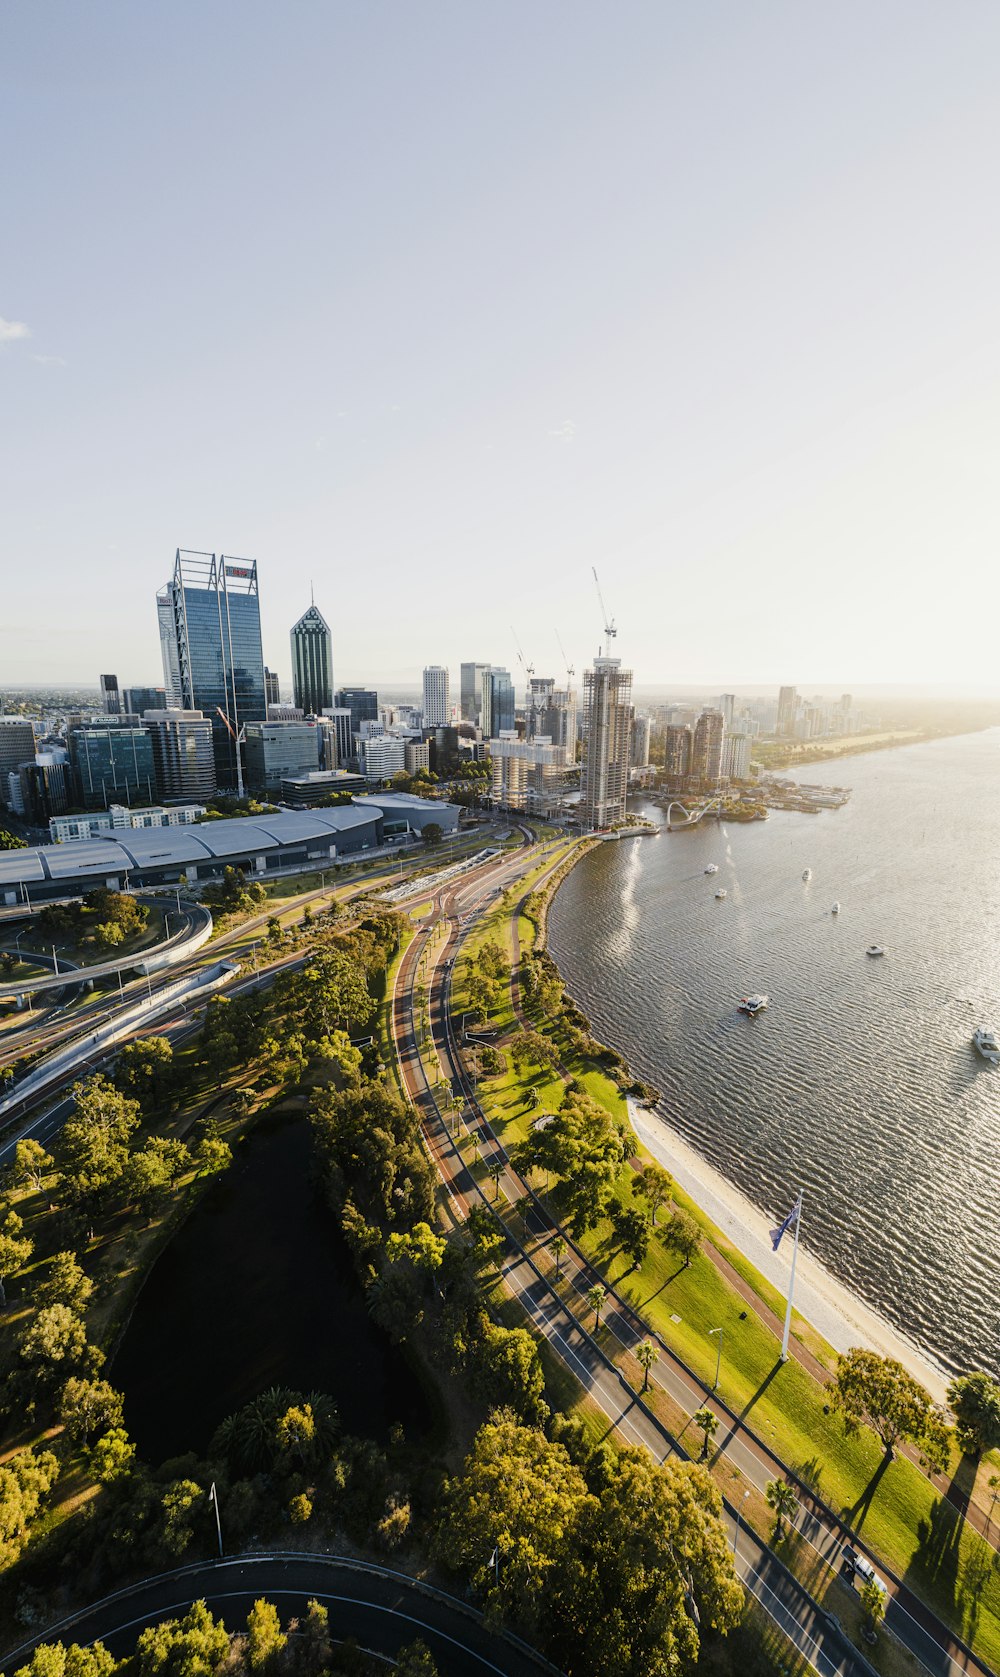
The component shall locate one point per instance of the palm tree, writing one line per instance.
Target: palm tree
(558, 1251)
(495, 1169)
(994, 1485)
(646, 1355)
(596, 1298)
(781, 1497)
(707, 1422)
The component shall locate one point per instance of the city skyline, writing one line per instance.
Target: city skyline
(767, 410)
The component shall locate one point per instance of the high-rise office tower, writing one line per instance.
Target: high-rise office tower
(17, 746)
(112, 765)
(642, 729)
(727, 705)
(736, 756)
(362, 702)
(437, 701)
(607, 707)
(342, 721)
(111, 699)
(676, 751)
(706, 749)
(312, 663)
(472, 691)
(135, 700)
(168, 647)
(272, 692)
(213, 612)
(788, 701)
(183, 754)
(497, 703)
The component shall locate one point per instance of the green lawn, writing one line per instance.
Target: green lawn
(901, 1514)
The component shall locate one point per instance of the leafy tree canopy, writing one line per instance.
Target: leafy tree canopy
(975, 1403)
(879, 1390)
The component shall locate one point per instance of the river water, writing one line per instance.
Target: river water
(859, 1084)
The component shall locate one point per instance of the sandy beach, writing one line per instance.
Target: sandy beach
(832, 1308)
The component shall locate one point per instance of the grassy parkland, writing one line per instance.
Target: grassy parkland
(900, 1510)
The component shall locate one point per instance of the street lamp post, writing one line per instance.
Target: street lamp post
(718, 1360)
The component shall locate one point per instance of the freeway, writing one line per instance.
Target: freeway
(382, 1610)
(818, 1637)
(910, 1620)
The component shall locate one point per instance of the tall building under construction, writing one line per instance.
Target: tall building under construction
(607, 720)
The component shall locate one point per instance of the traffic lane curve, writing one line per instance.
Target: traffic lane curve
(383, 1610)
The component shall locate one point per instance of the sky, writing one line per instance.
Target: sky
(437, 306)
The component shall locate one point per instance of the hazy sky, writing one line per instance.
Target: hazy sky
(440, 305)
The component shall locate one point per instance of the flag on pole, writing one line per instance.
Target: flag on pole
(789, 1223)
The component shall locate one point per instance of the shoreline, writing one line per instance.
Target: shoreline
(839, 1315)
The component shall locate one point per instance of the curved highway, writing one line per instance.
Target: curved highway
(381, 1609)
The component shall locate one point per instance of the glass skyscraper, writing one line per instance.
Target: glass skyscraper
(498, 703)
(312, 663)
(209, 616)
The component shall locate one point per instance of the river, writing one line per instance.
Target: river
(859, 1084)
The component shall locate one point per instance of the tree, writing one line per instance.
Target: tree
(144, 1071)
(66, 1282)
(93, 1150)
(15, 1249)
(416, 1660)
(494, 1171)
(194, 1646)
(558, 1252)
(681, 1235)
(265, 1637)
(975, 1403)
(112, 1456)
(212, 1154)
(645, 1567)
(509, 1373)
(585, 1148)
(707, 1423)
(646, 1354)
(331, 994)
(31, 1163)
(530, 1048)
(25, 1480)
(89, 1406)
(518, 1496)
(596, 1298)
(782, 1498)
(10, 841)
(655, 1185)
(873, 1600)
(151, 1174)
(371, 1154)
(314, 1644)
(632, 1231)
(56, 1337)
(53, 1659)
(881, 1391)
(482, 994)
(432, 832)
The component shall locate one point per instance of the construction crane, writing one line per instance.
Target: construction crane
(529, 669)
(570, 668)
(609, 623)
(238, 741)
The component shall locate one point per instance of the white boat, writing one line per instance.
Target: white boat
(807, 873)
(986, 1044)
(835, 909)
(721, 893)
(874, 949)
(713, 867)
(753, 1005)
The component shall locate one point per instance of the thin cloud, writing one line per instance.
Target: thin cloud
(565, 432)
(50, 360)
(11, 330)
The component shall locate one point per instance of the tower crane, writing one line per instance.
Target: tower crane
(570, 668)
(529, 669)
(239, 740)
(609, 623)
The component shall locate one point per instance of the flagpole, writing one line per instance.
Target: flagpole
(791, 1283)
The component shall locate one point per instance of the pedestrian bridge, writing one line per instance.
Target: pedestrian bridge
(691, 816)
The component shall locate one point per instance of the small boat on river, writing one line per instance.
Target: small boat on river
(753, 1005)
(835, 909)
(721, 894)
(874, 949)
(986, 1045)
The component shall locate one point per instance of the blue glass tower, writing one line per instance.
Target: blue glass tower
(209, 617)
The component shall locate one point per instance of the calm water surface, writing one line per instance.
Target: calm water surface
(256, 1290)
(860, 1083)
